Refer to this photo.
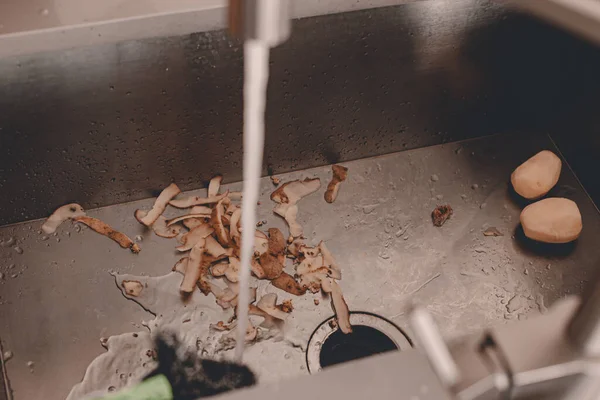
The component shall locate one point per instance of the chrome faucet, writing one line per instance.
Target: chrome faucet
(268, 21)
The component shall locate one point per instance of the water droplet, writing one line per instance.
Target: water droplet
(435, 178)
(7, 355)
(18, 249)
(385, 255)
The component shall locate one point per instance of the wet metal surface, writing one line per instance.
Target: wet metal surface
(108, 124)
(5, 392)
(57, 297)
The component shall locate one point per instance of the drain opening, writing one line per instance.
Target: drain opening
(364, 341)
(371, 335)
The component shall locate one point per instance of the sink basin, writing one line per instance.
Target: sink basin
(58, 297)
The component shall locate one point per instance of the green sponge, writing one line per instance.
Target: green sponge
(155, 388)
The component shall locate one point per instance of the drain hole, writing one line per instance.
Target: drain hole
(371, 334)
(364, 341)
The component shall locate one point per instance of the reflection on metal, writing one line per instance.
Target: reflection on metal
(112, 123)
(579, 16)
(89, 127)
(50, 25)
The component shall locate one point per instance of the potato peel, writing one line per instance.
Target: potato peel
(339, 175)
(257, 269)
(340, 307)
(290, 213)
(216, 221)
(287, 195)
(180, 266)
(261, 243)
(219, 269)
(192, 223)
(234, 224)
(104, 229)
(159, 226)
(60, 215)
(287, 283)
(329, 261)
(232, 273)
(201, 210)
(194, 236)
(163, 229)
(277, 243)
(214, 185)
(184, 217)
(269, 322)
(272, 266)
(215, 250)
(318, 271)
(193, 269)
(268, 303)
(160, 204)
(197, 201)
(292, 192)
(132, 288)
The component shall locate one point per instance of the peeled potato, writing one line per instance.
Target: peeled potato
(536, 176)
(553, 220)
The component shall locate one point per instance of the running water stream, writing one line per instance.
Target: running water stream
(256, 76)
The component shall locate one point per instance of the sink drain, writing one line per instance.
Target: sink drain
(371, 335)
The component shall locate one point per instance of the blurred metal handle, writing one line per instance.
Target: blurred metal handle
(584, 329)
(268, 21)
(429, 337)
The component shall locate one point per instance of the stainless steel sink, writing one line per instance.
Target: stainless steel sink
(62, 297)
(464, 90)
